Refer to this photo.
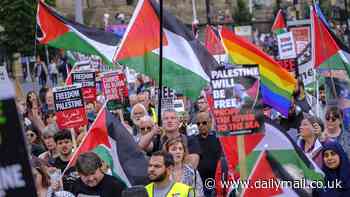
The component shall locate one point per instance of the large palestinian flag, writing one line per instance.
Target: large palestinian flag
(59, 32)
(114, 144)
(186, 63)
(281, 149)
(332, 58)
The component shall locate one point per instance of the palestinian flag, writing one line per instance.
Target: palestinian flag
(279, 26)
(59, 32)
(213, 42)
(332, 58)
(280, 148)
(114, 144)
(186, 63)
(328, 51)
(268, 171)
(76, 66)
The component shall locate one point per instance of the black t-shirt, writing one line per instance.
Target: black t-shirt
(191, 141)
(304, 105)
(59, 163)
(292, 122)
(211, 152)
(108, 187)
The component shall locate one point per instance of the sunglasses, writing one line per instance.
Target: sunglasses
(146, 128)
(202, 123)
(333, 118)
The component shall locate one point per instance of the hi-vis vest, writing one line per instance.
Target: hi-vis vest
(177, 190)
(154, 115)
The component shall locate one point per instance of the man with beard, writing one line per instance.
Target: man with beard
(159, 170)
(92, 181)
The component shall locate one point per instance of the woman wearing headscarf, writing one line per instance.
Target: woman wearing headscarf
(336, 167)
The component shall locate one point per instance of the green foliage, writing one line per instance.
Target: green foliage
(18, 17)
(326, 8)
(241, 14)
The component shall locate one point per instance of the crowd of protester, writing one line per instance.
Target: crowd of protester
(183, 152)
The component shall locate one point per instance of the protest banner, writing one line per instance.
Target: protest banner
(69, 106)
(166, 92)
(87, 78)
(235, 106)
(168, 97)
(114, 85)
(301, 36)
(307, 73)
(244, 31)
(288, 64)
(179, 105)
(115, 89)
(15, 171)
(286, 46)
(306, 69)
(167, 104)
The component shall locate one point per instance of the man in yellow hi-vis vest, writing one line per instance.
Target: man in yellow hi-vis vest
(159, 169)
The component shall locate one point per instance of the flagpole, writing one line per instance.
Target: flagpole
(315, 70)
(194, 11)
(35, 48)
(160, 61)
(207, 5)
(317, 94)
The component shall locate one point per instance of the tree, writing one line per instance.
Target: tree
(241, 15)
(18, 17)
(326, 8)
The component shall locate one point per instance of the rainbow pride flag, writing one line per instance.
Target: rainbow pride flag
(276, 84)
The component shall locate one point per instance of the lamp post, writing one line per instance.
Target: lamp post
(79, 12)
(2, 51)
(106, 20)
(207, 6)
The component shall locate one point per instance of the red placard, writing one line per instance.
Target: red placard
(114, 86)
(69, 105)
(88, 80)
(288, 64)
(301, 37)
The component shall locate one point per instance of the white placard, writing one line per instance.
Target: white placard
(307, 73)
(286, 47)
(244, 31)
(6, 87)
